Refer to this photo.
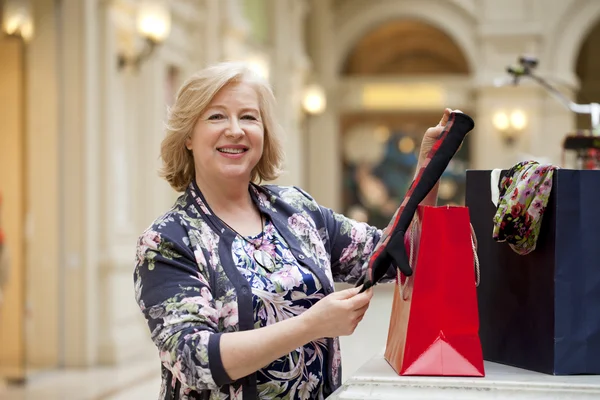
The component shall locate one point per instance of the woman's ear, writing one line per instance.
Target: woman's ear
(188, 142)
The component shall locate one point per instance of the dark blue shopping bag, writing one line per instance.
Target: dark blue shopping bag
(541, 311)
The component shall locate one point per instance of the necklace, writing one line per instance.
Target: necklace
(260, 256)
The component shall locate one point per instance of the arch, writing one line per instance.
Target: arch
(405, 46)
(587, 70)
(569, 35)
(366, 16)
(587, 63)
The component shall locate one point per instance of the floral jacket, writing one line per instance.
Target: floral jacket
(190, 291)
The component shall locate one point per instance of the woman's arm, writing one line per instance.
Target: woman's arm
(335, 315)
(173, 293)
(248, 351)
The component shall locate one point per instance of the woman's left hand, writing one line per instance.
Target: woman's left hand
(432, 134)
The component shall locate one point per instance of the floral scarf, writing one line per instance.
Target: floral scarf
(524, 193)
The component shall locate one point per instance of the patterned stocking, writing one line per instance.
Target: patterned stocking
(391, 250)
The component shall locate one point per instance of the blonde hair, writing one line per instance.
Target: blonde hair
(192, 99)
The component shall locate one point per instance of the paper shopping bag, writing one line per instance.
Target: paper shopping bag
(434, 325)
(541, 311)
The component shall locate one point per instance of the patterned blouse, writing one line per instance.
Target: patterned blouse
(284, 292)
(195, 279)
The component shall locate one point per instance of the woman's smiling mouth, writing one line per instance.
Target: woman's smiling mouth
(232, 151)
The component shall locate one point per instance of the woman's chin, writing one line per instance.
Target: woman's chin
(235, 172)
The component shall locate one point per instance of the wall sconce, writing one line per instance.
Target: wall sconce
(17, 19)
(259, 64)
(314, 100)
(510, 125)
(153, 23)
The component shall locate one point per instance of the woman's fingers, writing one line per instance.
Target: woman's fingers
(446, 116)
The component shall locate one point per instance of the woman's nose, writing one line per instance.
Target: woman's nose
(234, 128)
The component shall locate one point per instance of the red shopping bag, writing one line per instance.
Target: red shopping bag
(434, 325)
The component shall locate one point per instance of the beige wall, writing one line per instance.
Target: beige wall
(12, 189)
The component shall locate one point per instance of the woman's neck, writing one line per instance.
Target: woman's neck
(226, 198)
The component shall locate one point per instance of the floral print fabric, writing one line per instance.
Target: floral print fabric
(194, 281)
(285, 292)
(524, 194)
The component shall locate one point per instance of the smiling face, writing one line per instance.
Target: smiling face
(227, 140)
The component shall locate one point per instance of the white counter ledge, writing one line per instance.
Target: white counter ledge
(377, 380)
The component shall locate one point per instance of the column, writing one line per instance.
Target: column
(212, 33)
(43, 234)
(121, 330)
(324, 170)
(288, 78)
(80, 180)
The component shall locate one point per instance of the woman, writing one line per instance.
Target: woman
(236, 279)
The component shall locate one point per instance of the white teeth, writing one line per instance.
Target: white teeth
(231, 151)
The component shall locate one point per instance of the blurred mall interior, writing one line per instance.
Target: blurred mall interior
(84, 89)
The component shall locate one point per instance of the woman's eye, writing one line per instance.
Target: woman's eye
(250, 117)
(215, 117)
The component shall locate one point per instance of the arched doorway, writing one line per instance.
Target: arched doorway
(403, 67)
(588, 73)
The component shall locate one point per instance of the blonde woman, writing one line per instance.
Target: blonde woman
(236, 279)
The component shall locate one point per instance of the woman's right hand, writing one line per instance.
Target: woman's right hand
(338, 313)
